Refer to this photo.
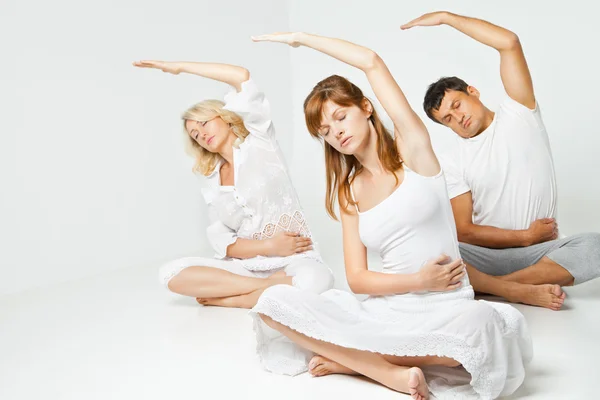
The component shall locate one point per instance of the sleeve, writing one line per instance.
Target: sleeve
(252, 105)
(455, 182)
(219, 235)
(531, 117)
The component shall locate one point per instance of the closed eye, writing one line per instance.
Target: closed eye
(343, 118)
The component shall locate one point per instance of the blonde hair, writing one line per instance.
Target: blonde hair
(205, 111)
(340, 166)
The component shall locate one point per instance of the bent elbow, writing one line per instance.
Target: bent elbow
(464, 233)
(244, 75)
(511, 42)
(372, 61)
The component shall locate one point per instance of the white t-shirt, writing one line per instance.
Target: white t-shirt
(508, 168)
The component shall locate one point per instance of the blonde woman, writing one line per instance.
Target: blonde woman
(258, 229)
(392, 196)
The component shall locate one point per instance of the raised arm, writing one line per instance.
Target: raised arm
(514, 72)
(411, 134)
(496, 238)
(231, 74)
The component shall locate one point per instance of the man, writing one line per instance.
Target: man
(501, 182)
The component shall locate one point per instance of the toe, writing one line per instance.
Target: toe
(556, 290)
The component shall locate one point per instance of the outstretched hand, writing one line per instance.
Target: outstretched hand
(289, 38)
(165, 66)
(430, 19)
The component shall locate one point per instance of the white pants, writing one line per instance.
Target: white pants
(308, 274)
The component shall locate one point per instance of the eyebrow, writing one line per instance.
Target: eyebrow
(332, 114)
(451, 107)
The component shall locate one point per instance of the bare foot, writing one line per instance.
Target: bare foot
(417, 386)
(321, 366)
(240, 301)
(548, 296)
(247, 300)
(278, 278)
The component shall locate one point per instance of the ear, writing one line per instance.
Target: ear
(367, 107)
(473, 91)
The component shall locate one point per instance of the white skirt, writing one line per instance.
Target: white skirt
(490, 340)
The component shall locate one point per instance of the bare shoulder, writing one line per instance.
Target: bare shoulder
(347, 208)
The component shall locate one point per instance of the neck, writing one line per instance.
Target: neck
(487, 121)
(368, 156)
(227, 149)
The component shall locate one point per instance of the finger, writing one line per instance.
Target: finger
(303, 249)
(147, 64)
(410, 24)
(303, 244)
(440, 259)
(302, 241)
(453, 286)
(458, 276)
(417, 21)
(455, 266)
(291, 234)
(547, 220)
(262, 38)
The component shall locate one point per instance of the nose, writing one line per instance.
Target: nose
(459, 117)
(202, 132)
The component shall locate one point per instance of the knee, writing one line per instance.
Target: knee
(168, 274)
(267, 320)
(478, 312)
(588, 243)
(315, 279)
(593, 240)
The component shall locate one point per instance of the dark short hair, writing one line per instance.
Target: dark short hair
(437, 90)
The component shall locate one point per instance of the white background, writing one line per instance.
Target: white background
(93, 173)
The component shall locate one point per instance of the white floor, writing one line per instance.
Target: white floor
(121, 336)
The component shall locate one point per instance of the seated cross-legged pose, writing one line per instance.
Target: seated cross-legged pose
(501, 181)
(421, 319)
(257, 228)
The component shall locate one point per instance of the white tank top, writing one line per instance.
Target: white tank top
(412, 225)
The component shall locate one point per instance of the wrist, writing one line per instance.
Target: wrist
(299, 37)
(178, 66)
(525, 238)
(416, 282)
(447, 18)
(267, 247)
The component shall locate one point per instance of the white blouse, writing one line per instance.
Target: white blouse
(262, 200)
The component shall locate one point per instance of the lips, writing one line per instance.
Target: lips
(210, 139)
(345, 141)
(467, 123)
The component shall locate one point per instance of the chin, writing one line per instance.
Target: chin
(350, 150)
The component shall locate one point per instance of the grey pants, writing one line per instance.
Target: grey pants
(578, 254)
